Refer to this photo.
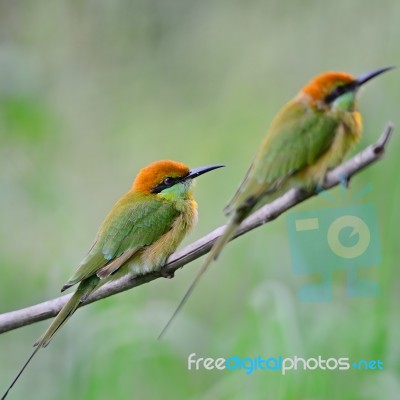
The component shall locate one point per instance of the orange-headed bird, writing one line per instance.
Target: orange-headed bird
(137, 236)
(310, 135)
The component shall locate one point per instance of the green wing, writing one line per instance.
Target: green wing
(297, 138)
(134, 222)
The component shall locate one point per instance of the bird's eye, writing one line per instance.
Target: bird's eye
(340, 90)
(168, 181)
(335, 93)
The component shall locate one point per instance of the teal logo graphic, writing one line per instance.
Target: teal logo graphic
(338, 238)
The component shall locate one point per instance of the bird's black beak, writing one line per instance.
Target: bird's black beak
(194, 173)
(364, 78)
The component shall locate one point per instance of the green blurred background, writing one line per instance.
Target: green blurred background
(90, 92)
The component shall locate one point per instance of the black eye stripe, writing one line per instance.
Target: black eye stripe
(166, 183)
(339, 91)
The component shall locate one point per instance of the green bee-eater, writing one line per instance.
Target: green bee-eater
(310, 135)
(138, 235)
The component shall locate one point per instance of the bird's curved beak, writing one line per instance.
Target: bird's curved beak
(364, 78)
(195, 172)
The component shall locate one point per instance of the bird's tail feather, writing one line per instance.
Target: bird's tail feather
(215, 251)
(84, 289)
(62, 317)
(20, 372)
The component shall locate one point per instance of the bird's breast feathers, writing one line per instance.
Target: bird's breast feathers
(346, 135)
(154, 256)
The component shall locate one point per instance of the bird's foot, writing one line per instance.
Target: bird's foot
(345, 180)
(167, 274)
(319, 188)
(305, 192)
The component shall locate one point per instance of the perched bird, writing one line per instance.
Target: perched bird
(310, 135)
(138, 235)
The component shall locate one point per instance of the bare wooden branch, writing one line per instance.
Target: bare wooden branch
(15, 319)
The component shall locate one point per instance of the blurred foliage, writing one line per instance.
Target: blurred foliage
(91, 91)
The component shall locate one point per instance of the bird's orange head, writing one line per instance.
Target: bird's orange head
(157, 173)
(167, 177)
(336, 88)
(322, 85)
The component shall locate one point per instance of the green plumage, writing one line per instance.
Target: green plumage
(296, 139)
(137, 236)
(84, 289)
(135, 221)
(310, 135)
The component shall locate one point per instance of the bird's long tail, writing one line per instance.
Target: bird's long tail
(83, 290)
(214, 253)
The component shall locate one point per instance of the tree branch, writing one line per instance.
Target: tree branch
(15, 319)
